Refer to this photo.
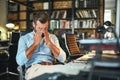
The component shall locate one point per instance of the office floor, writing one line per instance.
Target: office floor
(4, 73)
(9, 77)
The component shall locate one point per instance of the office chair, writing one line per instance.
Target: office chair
(10, 63)
(72, 47)
(4, 56)
(21, 69)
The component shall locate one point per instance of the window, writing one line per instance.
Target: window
(107, 15)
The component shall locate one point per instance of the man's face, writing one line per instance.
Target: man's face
(40, 26)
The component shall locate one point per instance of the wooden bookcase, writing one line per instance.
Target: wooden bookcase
(13, 15)
(80, 15)
(61, 14)
(88, 14)
(37, 6)
(17, 15)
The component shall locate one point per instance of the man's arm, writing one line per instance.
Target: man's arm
(30, 50)
(37, 39)
(21, 58)
(57, 51)
(25, 52)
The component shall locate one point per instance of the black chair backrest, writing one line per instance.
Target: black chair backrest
(13, 46)
(14, 37)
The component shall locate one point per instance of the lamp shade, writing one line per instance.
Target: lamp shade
(10, 25)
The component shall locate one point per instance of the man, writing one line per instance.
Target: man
(39, 48)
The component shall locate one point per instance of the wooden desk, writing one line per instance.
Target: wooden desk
(4, 44)
(105, 66)
(3, 41)
(98, 41)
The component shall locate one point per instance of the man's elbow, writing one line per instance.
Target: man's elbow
(19, 62)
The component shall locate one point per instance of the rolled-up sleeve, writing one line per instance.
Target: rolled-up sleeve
(21, 57)
(62, 55)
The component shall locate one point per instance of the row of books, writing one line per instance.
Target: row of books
(12, 16)
(84, 23)
(79, 14)
(65, 24)
(61, 14)
(86, 3)
(13, 7)
(60, 24)
(62, 4)
(86, 13)
(44, 5)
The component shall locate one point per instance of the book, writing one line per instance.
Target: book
(94, 13)
(45, 5)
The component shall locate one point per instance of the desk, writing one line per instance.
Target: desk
(100, 65)
(99, 41)
(100, 44)
(4, 48)
(4, 44)
(4, 41)
(105, 67)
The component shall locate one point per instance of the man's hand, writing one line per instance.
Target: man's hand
(47, 38)
(54, 49)
(37, 37)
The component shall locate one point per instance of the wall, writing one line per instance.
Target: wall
(3, 18)
(111, 5)
(118, 19)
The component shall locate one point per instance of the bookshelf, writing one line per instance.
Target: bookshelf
(82, 15)
(61, 12)
(17, 15)
(37, 6)
(13, 15)
(22, 17)
(88, 14)
(79, 15)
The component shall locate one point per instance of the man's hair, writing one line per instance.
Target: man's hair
(40, 16)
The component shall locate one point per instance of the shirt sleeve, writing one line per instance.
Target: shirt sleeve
(21, 57)
(62, 55)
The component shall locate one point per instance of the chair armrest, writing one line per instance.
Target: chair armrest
(21, 72)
